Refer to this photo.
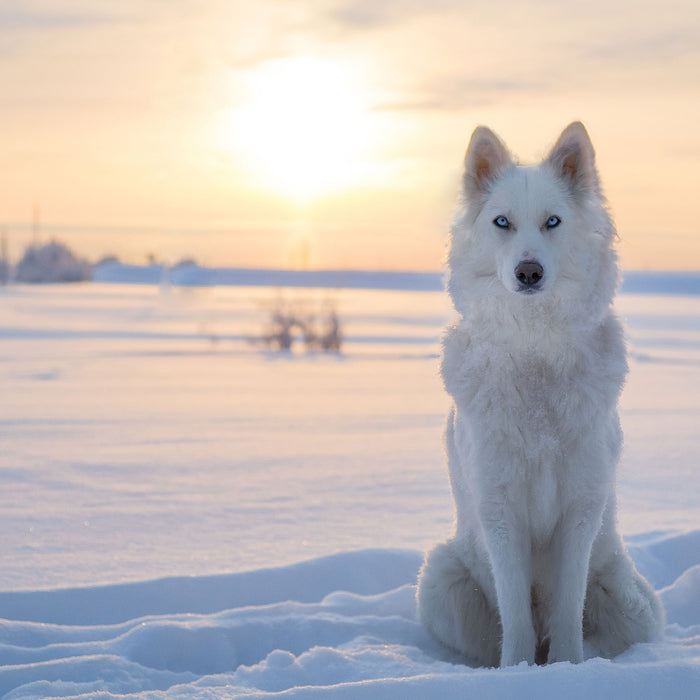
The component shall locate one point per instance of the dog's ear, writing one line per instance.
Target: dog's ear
(485, 159)
(573, 159)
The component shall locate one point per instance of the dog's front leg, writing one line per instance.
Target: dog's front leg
(509, 548)
(569, 574)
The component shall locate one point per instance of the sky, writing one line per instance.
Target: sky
(331, 133)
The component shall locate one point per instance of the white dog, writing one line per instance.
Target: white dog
(535, 365)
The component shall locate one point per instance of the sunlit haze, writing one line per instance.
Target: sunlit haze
(304, 129)
(330, 133)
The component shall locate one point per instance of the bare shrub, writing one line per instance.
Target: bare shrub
(289, 323)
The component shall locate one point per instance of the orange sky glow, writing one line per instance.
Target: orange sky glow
(330, 133)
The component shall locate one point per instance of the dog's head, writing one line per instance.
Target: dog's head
(529, 231)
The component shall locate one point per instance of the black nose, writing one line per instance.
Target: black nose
(529, 273)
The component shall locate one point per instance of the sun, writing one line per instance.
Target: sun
(304, 128)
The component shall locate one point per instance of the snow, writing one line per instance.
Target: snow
(189, 273)
(184, 514)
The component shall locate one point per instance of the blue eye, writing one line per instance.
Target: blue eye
(501, 222)
(553, 222)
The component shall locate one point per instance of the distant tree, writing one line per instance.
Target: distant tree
(4, 261)
(51, 262)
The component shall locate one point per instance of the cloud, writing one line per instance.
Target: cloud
(664, 46)
(367, 14)
(460, 92)
(17, 19)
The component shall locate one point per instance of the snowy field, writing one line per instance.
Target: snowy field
(185, 514)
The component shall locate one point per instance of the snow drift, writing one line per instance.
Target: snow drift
(335, 627)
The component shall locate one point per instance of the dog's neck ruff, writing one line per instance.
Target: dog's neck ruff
(534, 319)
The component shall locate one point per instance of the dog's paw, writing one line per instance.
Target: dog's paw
(565, 650)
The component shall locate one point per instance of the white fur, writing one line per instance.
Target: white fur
(535, 563)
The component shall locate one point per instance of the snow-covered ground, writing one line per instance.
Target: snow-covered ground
(186, 514)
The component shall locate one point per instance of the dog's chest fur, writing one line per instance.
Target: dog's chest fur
(529, 412)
